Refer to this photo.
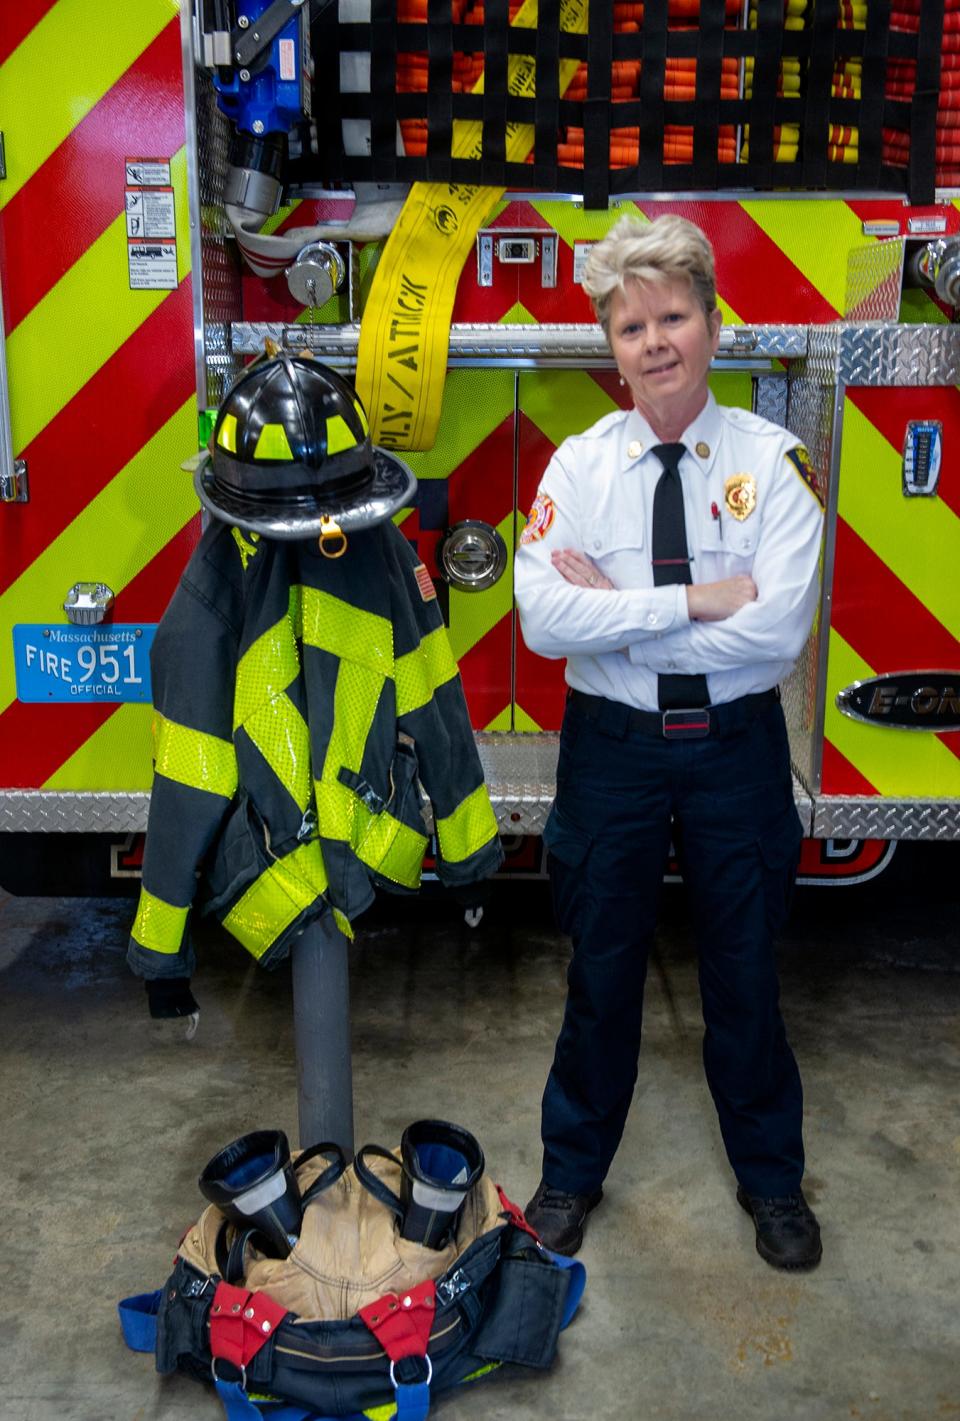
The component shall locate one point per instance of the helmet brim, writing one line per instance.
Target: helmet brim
(393, 487)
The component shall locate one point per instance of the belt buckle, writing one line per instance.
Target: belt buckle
(685, 724)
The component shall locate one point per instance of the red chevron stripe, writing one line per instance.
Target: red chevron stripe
(35, 740)
(839, 776)
(534, 453)
(131, 396)
(541, 686)
(753, 274)
(482, 485)
(889, 408)
(16, 22)
(75, 195)
(485, 672)
(880, 617)
(904, 635)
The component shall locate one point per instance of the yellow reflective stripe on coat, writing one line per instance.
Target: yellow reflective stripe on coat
(268, 715)
(420, 672)
(405, 331)
(471, 825)
(278, 897)
(159, 926)
(392, 848)
(330, 624)
(379, 840)
(194, 758)
(265, 670)
(355, 700)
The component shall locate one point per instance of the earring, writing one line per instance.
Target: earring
(622, 380)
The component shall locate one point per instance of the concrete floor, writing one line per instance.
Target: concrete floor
(108, 1119)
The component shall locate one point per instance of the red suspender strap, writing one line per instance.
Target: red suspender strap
(515, 1214)
(241, 1322)
(401, 1322)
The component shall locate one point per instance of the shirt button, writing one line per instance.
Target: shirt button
(596, 542)
(651, 619)
(671, 665)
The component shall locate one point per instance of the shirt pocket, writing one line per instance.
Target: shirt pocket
(727, 547)
(618, 550)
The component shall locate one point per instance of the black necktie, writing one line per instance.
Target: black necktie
(671, 563)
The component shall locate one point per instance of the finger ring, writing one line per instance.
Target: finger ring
(593, 582)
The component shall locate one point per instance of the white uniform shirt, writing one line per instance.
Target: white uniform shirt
(596, 496)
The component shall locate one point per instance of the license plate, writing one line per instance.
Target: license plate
(83, 665)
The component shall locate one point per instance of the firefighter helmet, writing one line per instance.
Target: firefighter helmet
(291, 455)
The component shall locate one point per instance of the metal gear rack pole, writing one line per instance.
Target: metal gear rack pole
(321, 1029)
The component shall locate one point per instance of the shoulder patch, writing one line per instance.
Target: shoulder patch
(801, 461)
(539, 519)
(425, 582)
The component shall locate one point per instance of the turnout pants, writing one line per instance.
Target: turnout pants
(727, 799)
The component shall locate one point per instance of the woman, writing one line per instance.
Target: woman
(671, 556)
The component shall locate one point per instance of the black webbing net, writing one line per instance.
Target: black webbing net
(667, 95)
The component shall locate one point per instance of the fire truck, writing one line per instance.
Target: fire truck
(180, 185)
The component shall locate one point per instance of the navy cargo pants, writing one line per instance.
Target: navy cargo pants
(727, 799)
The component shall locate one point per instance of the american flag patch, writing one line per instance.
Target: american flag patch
(424, 582)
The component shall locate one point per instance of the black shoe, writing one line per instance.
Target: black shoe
(559, 1217)
(788, 1235)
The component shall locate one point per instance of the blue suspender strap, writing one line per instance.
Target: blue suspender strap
(239, 1407)
(138, 1321)
(578, 1281)
(413, 1400)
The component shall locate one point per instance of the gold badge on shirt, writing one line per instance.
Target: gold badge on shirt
(740, 495)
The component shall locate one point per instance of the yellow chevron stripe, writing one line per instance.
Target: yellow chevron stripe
(474, 403)
(473, 614)
(115, 757)
(917, 538)
(563, 402)
(518, 315)
(83, 320)
(523, 722)
(911, 763)
(89, 549)
(62, 69)
(815, 236)
(503, 721)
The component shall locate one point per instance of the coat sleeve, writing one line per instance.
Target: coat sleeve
(786, 571)
(560, 619)
(193, 667)
(432, 711)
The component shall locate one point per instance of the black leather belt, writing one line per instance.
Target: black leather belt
(725, 719)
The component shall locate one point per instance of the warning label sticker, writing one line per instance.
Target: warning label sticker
(147, 172)
(149, 212)
(153, 265)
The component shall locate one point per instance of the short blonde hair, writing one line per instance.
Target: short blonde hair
(668, 249)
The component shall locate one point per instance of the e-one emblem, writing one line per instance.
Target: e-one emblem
(908, 700)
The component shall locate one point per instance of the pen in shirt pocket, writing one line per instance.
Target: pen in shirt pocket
(715, 515)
